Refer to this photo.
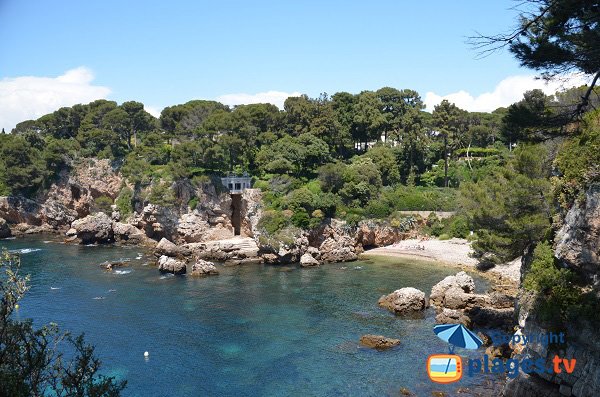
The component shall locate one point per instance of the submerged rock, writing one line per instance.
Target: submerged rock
(307, 260)
(94, 229)
(204, 268)
(171, 265)
(404, 301)
(110, 265)
(378, 342)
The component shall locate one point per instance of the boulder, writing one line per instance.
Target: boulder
(125, 233)
(451, 316)
(71, 233)
(489, 317)
(168, 248)
(307, 260)
(457, 298)
(171, 265)
(4, 229)
(404, 301)
(237, 250)
(204, 268)
(94, 229)
(461, 280)
(378, 342)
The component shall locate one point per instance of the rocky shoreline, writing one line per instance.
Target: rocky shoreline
(70, 208)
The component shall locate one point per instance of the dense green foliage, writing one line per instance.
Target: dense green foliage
(31, 363)
(368, 155)
(511, 207)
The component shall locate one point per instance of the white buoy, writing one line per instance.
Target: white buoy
(16, 306)
(146, 354)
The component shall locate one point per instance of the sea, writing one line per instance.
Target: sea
(253, 330)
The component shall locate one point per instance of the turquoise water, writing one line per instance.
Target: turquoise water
(251, 331)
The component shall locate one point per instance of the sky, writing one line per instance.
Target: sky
(62, 52)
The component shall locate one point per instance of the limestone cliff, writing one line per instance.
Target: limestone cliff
(577, 246)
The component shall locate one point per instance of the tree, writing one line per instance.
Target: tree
(451, 124)
(531, 119)
(383, 157)
(30, 362)
(24, 168)
(368, 122)
(140, 121)
(511, 207)
(555, 37)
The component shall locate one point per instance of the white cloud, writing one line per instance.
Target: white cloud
(507, 92)
(152, 110)
(29, 97)
(277, 98)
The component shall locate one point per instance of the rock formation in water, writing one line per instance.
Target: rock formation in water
(456, 302)
(404, 301)
(204, 268)
(70, 206)
(378, 342)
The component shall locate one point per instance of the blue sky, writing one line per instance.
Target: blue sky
(163, 53)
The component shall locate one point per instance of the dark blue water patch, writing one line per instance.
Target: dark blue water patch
(251, 331)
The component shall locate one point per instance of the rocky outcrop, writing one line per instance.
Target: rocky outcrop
(94, 229)
(404, 301)
(4, 229)
(233, 251)
(578, 241)
(378, 342)
(371, 234)
(251, 212)
(335, 241)
(456, 302)
(204, 268)
(156, 221)
(50, 216)
(307, 260)
(166, 247)
(171, 265)
(461, 281)
(87, 180)
(577, 246)
(127, 234)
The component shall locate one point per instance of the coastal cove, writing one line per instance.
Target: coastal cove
(265, 330)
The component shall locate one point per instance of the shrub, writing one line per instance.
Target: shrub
(554, 286)
(444, 236)
(378, 209)
(458, 226)
(103, 204)
(301, 199)
(124, 201)
(162, 194)
(272, 221)
(193, 203)
(301, 219)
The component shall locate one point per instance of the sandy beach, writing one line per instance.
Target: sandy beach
(453, 252)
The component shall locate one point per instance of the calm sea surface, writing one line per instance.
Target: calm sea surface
(251, 331)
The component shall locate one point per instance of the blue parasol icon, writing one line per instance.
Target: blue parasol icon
(457, 335)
